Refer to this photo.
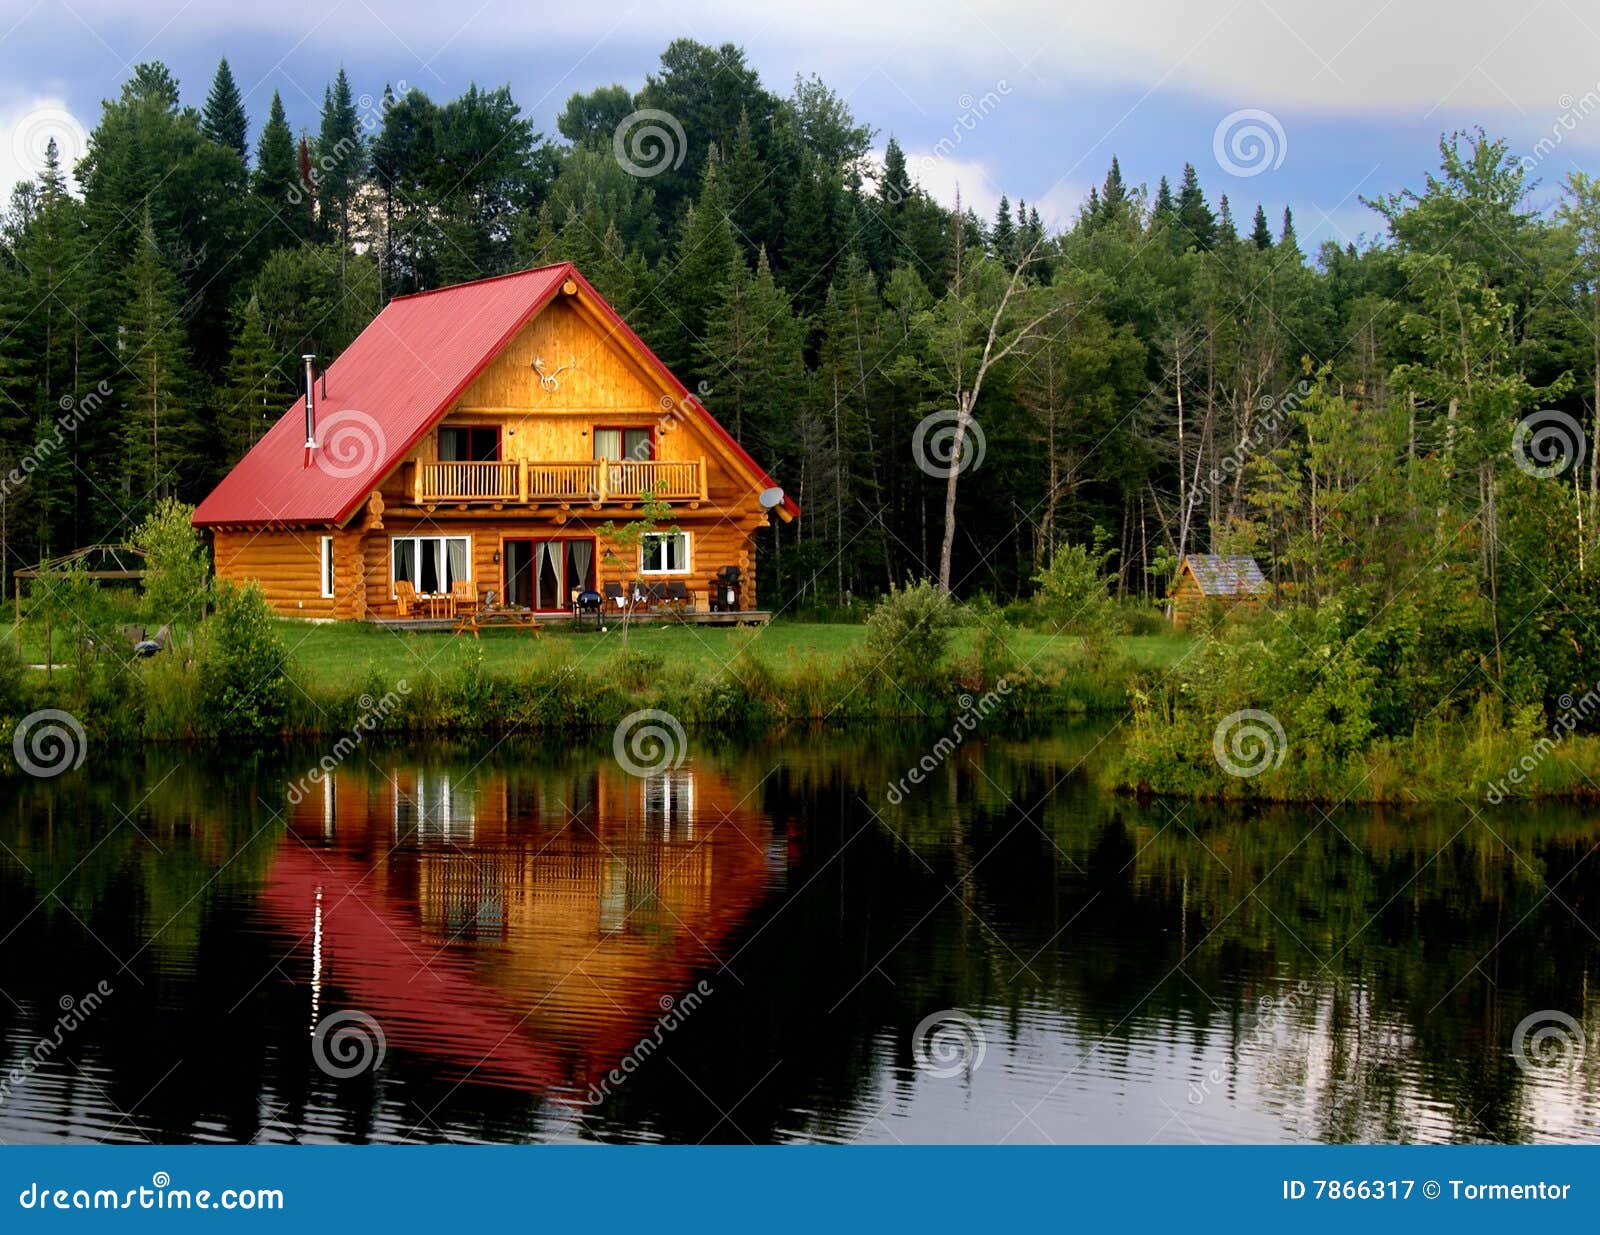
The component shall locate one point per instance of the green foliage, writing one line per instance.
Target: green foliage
(1072, 588)
(243, 684)
(177, 574)
(908, 634)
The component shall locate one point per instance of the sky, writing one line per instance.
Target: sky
(1310, 104)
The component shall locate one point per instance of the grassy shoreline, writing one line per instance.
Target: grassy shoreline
(345, 676)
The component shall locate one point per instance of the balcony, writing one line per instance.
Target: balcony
(595, 482)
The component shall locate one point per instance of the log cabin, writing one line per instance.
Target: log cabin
(1231, 581)
(487, 434)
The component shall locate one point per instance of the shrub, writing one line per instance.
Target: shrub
(176, 579)
(242, 680)
(908, 633)
(1072, 589)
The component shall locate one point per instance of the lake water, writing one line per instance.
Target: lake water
(519, 941)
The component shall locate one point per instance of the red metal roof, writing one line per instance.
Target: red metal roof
(388, 388)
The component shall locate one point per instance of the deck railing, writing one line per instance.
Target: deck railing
(592, 481)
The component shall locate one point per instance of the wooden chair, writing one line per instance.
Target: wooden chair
(612, 593)
(405, 600)
(463, 597)
(678, 597)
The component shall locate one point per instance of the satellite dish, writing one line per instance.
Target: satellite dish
(771, 497)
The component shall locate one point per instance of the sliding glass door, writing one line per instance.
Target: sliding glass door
(543, 574)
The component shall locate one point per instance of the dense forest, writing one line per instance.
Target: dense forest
(1168, 374)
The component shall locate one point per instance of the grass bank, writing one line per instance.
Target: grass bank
(338, 677)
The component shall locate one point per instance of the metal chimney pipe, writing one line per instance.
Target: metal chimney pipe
(311, 402)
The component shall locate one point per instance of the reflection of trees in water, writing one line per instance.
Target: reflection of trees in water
(1344, 971)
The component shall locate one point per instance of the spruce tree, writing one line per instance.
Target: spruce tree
(223, 119)
(1198, 225)
(1261, 234)
(276, 183)
(341, 158)
(253, 392)
(160, 451)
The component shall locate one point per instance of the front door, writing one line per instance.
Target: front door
(543, 574)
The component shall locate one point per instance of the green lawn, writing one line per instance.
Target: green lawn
(345, 650)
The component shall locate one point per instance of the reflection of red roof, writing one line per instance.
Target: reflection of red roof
(403, 372)
(464, 1007)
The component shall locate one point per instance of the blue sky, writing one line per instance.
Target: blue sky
(1029, 98)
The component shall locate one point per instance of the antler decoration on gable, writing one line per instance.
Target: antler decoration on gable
(548, 380)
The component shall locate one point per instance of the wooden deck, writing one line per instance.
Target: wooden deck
(744, 617)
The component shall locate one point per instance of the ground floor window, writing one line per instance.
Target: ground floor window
(327, 565)
(430, 563)
(664, 553)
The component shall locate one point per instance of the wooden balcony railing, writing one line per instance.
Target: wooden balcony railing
(592, 481)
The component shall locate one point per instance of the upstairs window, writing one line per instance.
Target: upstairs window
(469, 444)
(632, 445)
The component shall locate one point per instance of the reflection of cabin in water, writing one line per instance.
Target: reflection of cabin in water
(1229, 580)
(567, 904)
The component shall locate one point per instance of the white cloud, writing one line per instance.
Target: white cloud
(26, 129)
(1358, 55)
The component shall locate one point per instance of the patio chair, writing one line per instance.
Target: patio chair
(639, 594)
(463, 597)
(658, 596)
(678, 596)
(614, 596)
(405, 600)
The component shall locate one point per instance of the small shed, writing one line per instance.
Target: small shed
(1231, 580)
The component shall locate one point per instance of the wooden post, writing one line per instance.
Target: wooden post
(702, 478)
(600, 479)
(522, 481)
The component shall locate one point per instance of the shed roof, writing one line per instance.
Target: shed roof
(390, 386)
(1230, 574)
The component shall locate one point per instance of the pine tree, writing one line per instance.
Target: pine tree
(1114, 193)
(276, 182)
(341, 158)
(1198, 226)
(223, 119)
(1261, 234)
(1227, 234)
(1003, 239)
(159, 447)
(693, 286)
(753, 360)
(749, 192)
(1286, 238)
(253, 392)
